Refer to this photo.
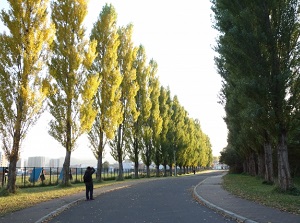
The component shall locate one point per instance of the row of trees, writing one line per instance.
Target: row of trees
(258, 50)
(102, 86)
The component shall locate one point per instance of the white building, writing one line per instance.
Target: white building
(128, 164)
(3, 160)
(20, 163)
(220, 166)
(37, 161)
(54, 163)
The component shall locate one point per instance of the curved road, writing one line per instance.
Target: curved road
(167, 200)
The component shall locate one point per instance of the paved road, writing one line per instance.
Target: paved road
(165, 200)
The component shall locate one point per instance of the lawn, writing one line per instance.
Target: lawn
(253, 188)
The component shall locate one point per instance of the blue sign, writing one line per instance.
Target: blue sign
(35, 174)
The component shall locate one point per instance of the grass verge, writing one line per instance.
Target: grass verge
(28, 197)
(252, 188)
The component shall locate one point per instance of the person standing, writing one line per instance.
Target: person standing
(88, 180)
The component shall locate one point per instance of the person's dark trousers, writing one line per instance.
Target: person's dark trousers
(89, 190)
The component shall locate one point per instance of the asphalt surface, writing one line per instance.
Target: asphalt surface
(168, 200)
(194, 198)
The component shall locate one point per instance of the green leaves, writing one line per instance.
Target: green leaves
(76, 84)
(23, 58)
(257, 59)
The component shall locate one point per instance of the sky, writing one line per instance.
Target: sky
(178, 35)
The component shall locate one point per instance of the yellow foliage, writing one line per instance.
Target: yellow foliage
(90, 54)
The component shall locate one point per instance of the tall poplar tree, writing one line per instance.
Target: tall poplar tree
(166, 129)
(129, 87)
(259, 51)
(154, 123)
(247, 101)
(143, 105)
(163, 110)
(282, 25)
(73, 86)
(24, 85)
(176, 132)
(107, 100)
(188, 154)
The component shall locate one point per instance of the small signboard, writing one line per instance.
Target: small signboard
(35, 174)
(61, 174)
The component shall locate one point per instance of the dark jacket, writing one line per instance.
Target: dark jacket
(87, 178)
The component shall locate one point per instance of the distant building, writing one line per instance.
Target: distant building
(20, 163)
(61, 161)
(127, 165)
(54, 163)
(37, 161)
(3, 160)
(219, 166)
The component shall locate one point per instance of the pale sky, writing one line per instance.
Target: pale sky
(178, 35)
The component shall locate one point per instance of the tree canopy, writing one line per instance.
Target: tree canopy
(258, 51)
(24, 82)
(73, 83)
(101, 84)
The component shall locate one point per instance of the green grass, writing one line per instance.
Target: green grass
(27, 197)
(253, 188)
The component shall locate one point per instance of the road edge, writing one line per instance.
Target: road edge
(227, 213)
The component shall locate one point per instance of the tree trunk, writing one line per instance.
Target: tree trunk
(148, 158)
(66, 169)
(157, 170)
(136, 169)
(14, 154)
(252, 164)
(120, 155)
(269, 172)
(245, 166)
(165, 170)
(99, 167)
(148, 171)
(260, 165)
(157, 162)
(136, 159)
(171, 170)
(12, 175)
(284, 175)
(121, 172)
(100, 157)
(66, 165)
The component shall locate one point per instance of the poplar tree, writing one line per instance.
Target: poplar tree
(166, 129)
(259, 51)
(181, 138)
(23, 79)
(205, 156)
(73, 85)
(154, 123)
(143, 105)
(176, 132)
(188, 153)
(107, 100)
(281, 22)
(163, 110)
(197, 143)
(129, 87)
